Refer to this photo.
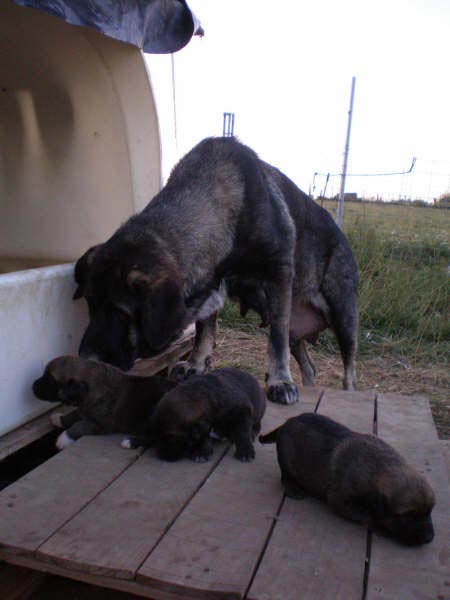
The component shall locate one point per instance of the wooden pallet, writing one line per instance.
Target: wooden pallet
(223, 529)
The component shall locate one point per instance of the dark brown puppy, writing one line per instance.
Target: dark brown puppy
(228, 402)
(360, 477)
(107, 400)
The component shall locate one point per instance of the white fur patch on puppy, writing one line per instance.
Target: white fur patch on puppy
(126, 443)
(64, 440)
(55, 419)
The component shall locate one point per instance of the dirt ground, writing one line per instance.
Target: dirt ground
(385, 374)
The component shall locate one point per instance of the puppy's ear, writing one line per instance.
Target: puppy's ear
(162, 307)
(81, 272)
(73, 390)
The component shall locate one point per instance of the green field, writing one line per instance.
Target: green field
(403, 254)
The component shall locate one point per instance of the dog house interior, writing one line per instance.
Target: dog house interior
(80, 152)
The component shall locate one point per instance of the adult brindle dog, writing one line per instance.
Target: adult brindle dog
(224, 215)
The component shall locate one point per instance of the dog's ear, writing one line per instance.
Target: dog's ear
(81, 271)
(161, 304)
(73, 389)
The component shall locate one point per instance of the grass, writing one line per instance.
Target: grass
(403, 255)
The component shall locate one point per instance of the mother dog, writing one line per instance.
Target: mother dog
(223, 215)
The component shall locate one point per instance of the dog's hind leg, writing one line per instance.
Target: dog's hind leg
(306, 365)
(200, 358)
(345, 327)
(280, 387)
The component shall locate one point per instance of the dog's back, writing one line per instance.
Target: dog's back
(305, 445)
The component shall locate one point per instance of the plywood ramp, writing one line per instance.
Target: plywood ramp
(223, 529)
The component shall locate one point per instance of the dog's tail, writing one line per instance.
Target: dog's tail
(269, 438)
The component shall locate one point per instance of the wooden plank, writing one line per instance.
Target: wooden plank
(167, 359)
(353, 409)
(114, 534)
(419, 572)
(38, 504)
(30, 432)
(17, 583)
(212, 549)
(123, 585)
(301, 560)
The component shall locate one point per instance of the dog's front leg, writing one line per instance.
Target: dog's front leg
(77, 430)
(200, 358)
(280, 387)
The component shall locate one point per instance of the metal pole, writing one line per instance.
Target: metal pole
(340, 210)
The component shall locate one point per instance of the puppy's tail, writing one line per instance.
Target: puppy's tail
(269, 438)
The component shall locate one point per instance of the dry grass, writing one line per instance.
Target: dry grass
(247, 350)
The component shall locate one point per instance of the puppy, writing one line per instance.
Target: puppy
(360, 477)
(107, 400)
(226, 402)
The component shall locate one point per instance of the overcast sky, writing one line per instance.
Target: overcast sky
(285, 68)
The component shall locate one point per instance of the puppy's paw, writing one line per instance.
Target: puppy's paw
(202, 454)
(55, 419)
(126, 443)
(284, 392)
(245, 453)
(64, 440)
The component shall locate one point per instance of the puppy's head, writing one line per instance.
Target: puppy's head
(403, 509)
(135, 300)
(64, 380)
(179, 425)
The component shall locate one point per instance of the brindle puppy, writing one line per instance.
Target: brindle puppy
(360, 477)
(107, 400)
(226, 402)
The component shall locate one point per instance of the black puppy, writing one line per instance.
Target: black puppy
(360, 477)
(226, 402)
(107, 400)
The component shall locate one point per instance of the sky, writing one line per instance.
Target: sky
(285, 69)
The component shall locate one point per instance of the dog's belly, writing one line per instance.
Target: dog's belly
(306, 322)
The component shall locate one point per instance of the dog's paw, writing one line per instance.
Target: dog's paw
(182, 370)
(55, 419)
(246, 454)
(64, 440)
(126, 443)
(202, 454)
(284, 392)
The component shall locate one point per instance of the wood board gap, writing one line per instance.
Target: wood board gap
(375, 415)
(266, 543)
(367, 565)
(322, 394)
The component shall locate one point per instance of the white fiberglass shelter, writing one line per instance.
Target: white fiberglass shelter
(80, 152)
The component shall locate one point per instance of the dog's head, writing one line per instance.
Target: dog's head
(403, 508)
(64, 380)
(179, 425)
(135, 299)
